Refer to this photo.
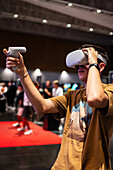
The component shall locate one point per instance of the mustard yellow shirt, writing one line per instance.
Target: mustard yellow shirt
(87, 132)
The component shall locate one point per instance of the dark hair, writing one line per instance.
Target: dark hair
(100, 50)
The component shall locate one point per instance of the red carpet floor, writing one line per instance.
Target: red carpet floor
(10, 137)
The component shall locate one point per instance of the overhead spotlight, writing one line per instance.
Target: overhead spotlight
(15, 15)
(91, 29)
(64, 77)
(99, 11)
(111, 33)
(38, 72)
(64, 72)
(44, 21)
(70, 4)
(68, 25)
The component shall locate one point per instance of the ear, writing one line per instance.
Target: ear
(102, 66)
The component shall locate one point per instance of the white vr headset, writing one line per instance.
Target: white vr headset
(79, 57)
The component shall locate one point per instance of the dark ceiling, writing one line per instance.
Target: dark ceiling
(82, 15)
(86, 24)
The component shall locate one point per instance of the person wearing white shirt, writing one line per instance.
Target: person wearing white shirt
(57, 91)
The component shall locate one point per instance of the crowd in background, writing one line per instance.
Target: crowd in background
(13, 98)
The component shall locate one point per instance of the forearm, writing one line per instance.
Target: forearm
(33, 94)
(94, 90)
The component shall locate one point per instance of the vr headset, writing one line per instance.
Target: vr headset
(79, 57)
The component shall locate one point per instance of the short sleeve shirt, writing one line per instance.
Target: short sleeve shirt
(84, 127)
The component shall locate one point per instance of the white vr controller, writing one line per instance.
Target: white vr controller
(13, 52)
(79, 57)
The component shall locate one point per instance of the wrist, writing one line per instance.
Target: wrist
(22, 72)
(25, 75)
(94, 65)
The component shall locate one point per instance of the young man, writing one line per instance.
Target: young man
(88, 111)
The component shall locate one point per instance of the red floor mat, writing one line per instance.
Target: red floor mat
(10, 137)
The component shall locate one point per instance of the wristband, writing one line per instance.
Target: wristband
(96, 65)
(23, 76)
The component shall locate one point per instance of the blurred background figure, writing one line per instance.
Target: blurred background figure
(3, 99)
(48, 90)
(27, 112)
(49, 122)
(11, 94)
(58, 91)
(19, 105)
(3, 88)
(47, 118)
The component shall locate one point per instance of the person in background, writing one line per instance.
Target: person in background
(3, 88)
(88, 111)
(47, 93)
(48, 90)
(58, 91)
(49, 122)
(19, 105)
(27, 112)
(11, 94)
(3, 99)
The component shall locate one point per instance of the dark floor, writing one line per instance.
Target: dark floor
(28, 158)
(32, 157)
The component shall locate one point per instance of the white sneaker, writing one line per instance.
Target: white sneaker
(21, 129)
(16, 124)
(28, 132)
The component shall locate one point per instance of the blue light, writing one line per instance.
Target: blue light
(74, 86)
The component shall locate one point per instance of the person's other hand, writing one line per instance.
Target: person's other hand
(92, 55)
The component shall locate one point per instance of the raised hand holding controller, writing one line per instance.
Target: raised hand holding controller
(13, 52)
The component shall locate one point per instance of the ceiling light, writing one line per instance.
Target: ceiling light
(44, 21)
(99, 11)
(68, 25)
(91, 29)
(15, 15)
(70, 4)
(111, 33)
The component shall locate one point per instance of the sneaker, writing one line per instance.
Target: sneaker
(21, 129)
(28, 132)
(16, 124)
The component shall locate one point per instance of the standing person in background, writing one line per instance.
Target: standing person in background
(88, 111)
(58, 91)
(47, 93)
(3, 99)
(48, 90)
(11, 94)
(28, 110)
(3, 88)
(49, 123)
(19, 105)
